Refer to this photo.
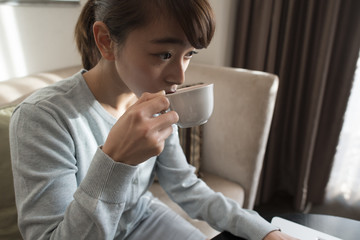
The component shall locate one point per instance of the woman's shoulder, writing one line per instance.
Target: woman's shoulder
(59, 93)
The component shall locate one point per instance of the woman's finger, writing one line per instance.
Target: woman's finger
(165, 120)
(148, 96)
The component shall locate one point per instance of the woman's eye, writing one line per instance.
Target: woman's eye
(168, 55)
(165, 56)
(190, 54)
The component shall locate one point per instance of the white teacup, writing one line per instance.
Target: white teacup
(194, 104)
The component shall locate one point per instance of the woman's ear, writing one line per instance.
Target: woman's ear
(103, 40)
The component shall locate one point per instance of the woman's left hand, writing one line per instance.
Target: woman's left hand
(277, 235)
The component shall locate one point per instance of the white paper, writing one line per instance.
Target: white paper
(299, 231)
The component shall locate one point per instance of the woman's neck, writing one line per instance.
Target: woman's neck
(109, 89)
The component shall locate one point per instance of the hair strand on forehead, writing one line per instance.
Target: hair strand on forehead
(200, 30)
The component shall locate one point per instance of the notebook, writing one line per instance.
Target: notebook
(299, 231)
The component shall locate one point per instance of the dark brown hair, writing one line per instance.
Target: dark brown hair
(195, 17)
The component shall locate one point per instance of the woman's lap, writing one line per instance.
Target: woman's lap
(164, 223)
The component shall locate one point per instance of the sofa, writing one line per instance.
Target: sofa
(227, 151)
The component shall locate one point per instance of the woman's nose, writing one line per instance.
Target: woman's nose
(177, 73)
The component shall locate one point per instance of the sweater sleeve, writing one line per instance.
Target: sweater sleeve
(178, 179)
(51, 204)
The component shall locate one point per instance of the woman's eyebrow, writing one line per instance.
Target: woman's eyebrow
(168, 40)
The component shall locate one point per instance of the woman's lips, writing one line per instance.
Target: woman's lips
(170, 91)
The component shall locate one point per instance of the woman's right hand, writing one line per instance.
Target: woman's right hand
(139, 134)
(277, 235)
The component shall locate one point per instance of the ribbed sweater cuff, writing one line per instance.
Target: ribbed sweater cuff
(106, 179)
(257, 227)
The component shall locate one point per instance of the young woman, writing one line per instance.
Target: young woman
(86, 149)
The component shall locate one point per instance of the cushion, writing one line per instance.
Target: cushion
(190, 141)
(8, 214)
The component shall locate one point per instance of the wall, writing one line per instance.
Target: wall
(219, 52)
(36, 38)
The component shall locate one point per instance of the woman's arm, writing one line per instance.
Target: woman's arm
(200, 202)
(50, 201)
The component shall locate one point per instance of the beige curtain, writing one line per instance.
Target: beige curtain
(312, 45)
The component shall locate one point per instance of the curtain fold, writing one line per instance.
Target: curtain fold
(312, 46)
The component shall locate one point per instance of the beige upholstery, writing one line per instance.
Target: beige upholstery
(234, 139)
(236, 135)
(15, 90)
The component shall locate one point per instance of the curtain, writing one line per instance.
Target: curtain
(312, 45)
(342, 196)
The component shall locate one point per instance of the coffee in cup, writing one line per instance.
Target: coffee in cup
(194, 104)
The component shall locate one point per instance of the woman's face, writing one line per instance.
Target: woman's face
(154, 57)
